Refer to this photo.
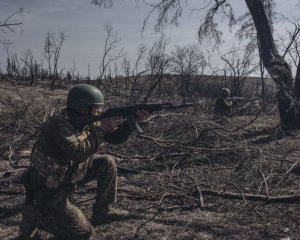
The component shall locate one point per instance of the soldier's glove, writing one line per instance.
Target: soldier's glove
(108, 125)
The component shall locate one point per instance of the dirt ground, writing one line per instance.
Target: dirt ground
(188, 176)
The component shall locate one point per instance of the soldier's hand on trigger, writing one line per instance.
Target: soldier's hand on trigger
(108, 125)
(142, 115)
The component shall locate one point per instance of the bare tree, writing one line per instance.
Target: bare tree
(26, 59)
(52, 48)
(240, 66)
(247, 32)
(290, 42)
(108, 57)
(132, 74)
(8, 24)
(89, 73)
(116, 71)
(137, 73)
(48, 53)
(6, 45)
(13, 20)
(186, 61)
(13, 65)
(31, 64)
(126, 67)
(57, 43)
(157, 63)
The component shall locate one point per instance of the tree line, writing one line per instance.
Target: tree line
(185, 70)
(260, 53)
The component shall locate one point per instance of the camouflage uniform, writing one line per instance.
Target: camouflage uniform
(223, 106)
(62, 158)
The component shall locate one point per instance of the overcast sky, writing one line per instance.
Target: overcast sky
(83, 24)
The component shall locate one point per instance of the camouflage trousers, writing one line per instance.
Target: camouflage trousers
(58, 216)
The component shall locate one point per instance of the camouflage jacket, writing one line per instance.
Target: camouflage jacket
(61, 154)
(223, 106)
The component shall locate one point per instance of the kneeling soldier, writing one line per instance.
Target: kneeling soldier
(223, 104)
(63, 157)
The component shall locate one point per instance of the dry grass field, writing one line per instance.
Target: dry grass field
(188, 176)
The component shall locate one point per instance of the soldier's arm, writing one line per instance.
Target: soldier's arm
(120, 135)
(227, 104)
(73, 147)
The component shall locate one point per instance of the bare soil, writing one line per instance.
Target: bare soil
(188, 176)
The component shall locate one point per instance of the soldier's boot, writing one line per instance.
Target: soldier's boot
(28, 224)
(105, 214)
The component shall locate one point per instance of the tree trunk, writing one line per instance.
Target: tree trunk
(276, 66)
(297, 81)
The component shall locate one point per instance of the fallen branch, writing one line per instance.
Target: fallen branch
(251, 197)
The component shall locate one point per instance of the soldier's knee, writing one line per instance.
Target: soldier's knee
(78, 226)
(84, 233)
(111, 161)
(108, 161)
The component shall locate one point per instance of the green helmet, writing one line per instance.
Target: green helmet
(225, 92)
(83, 96)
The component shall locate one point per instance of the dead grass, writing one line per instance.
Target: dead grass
(165, 175)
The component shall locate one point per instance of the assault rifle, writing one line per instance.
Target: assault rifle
(126, 112)
(236, 100)
(243, 99)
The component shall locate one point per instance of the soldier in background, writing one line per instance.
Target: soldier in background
(64, 157)
(224, 104)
